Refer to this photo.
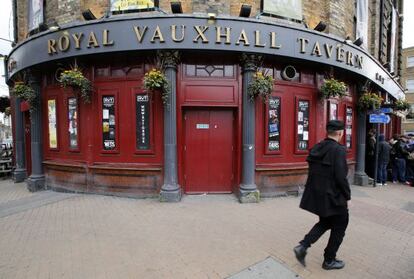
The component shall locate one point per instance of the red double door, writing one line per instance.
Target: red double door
(208, 150)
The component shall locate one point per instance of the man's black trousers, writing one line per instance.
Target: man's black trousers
(337, 224)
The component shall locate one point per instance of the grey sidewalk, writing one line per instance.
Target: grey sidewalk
(54, 235)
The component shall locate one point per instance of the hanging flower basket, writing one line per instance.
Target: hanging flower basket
(401, 105)
(261, 86)
(74, 78)
(26, 93)
(368, 101)
(156, 81)
(333, 88)
(4, 103)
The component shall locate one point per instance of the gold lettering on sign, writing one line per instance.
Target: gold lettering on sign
(157, 35)
(77, 39)
(303, 43)
(92, 40)
(140, 34)
(328, 49)
(243, 37)
(64, 43)
(51, 46)
(349, 58)
(339, 53)
(220, 35)
(105, 36)
(273, 40)
(257, 39)
(174, 31)
(359, 60)
(316, 49)
(200, 34)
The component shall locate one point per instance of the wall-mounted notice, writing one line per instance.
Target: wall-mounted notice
(303, 125)
(143, 122)
(274, 124)
(348, 128)
(73, 122)
(51, 113)
(108, 123)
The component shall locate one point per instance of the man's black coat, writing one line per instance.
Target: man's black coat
(327, 189)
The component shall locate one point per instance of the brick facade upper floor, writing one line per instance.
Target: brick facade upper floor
(339, 15)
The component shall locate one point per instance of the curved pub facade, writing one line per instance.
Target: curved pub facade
(207, 135)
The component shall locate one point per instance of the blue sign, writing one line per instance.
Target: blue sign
(379, 118)
(385, 110)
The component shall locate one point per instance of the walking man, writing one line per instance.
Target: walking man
(326, 194)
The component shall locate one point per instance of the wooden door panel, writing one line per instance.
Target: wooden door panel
(208, 150)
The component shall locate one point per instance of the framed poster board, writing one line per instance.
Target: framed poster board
(348, 127)
(302, 124)
(73, 123)
(143, 122)
(51, 114)
(273, 124)
(125, 6)
(108, 123)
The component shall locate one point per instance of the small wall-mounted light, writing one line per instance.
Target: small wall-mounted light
(212, 16)
(176, 7)
(88, 15)
(245, 10)
(320, 27)
(359, 41)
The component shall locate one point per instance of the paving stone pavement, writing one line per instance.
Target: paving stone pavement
(204, 236)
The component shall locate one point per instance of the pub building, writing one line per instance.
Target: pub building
(208, 136)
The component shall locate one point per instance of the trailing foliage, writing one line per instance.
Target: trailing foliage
(26, 93)
(369, 100)
(155, 80)
(401, 104)
(74, 78)
(333, 88)
(262, 86)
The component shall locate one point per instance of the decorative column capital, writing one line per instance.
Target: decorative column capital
(250, 61)
(169, 58)
(33, 77)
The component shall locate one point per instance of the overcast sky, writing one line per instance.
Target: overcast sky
(6, 32)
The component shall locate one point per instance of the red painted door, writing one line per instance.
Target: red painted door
(208, 159)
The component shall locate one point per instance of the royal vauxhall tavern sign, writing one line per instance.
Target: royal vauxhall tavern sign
(198, 33)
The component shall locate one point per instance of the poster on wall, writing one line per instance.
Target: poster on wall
(108, 122)
(143, 122)
(303, 125)
(73, 122)
(35, 14)
(333, 111)
(131, 5)
(274, 124)
(51, 113)
(284, 8)
(348, 128)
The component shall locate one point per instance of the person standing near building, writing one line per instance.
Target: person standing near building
(384, 149)
(326, 194)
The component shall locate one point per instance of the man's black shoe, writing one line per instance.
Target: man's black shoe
(300, 253)
(335, 264)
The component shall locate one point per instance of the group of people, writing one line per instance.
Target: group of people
(395, 158)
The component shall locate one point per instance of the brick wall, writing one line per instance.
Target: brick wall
(22, 20)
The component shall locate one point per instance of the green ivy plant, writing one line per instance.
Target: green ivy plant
(368, 101)
(261, 86)
(155, 80)
(333, 88)
(401, 105)
(74, 78)
(26, 93)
